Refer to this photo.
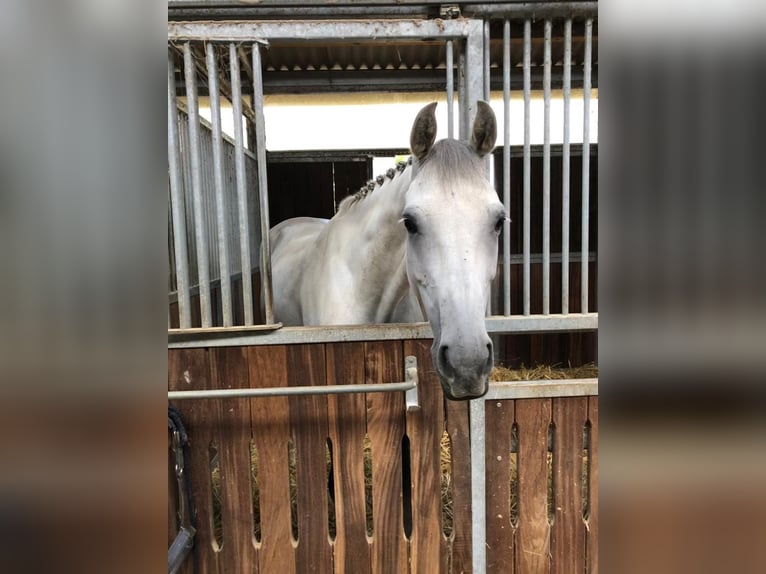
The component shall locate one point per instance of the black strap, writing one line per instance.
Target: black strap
(183, 544)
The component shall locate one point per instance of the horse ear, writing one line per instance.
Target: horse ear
(484, 131)
(423, 131)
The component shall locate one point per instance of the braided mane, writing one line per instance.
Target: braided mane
(371, 186)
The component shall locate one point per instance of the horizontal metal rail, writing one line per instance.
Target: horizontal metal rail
(325, 30)
(542, 389)
(290, 391)
(273, 335)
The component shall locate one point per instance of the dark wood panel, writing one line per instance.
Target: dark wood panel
(384, 363)
(347, 426)
(568, 529)
(189, 369)
(592, 531)
(460, 549)
(533, 537)
(271, 433)
(428, 548)
(230, 371)
(308, 422)
(499, 416)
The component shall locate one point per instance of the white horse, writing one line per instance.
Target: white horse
(420, 243)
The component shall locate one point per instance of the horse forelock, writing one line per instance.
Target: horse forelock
(451, 161)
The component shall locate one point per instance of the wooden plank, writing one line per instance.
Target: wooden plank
(499, 417)
(592, 523)
(460, 545)
(271, 433)
(189, 369)
(568, 529)
(384, 363)
(428, 548)
(230, 371)
(308, 422)
(347, 426)
(533, 536)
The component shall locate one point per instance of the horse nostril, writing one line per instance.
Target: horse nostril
(444, 361)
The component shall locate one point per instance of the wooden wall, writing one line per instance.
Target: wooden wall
(409, 506)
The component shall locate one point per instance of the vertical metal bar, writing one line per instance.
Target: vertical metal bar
(507, 166)
(527, 182)
(585, 167)
(565, 169)
(200, 231)
(177, 204)
(478, 484)
(239, 169)
(450, 90)
(486, 61)
(463, 120)
(547, 169)
(263, 190)
(223, 244)
(474, 60)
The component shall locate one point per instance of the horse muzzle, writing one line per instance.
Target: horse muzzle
(463, 370)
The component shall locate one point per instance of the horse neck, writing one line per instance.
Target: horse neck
(372, 228)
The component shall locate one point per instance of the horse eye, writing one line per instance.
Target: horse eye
(410, 225)
(499, 224)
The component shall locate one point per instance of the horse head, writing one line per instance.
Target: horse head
(453, 218)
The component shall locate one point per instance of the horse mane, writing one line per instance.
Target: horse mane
(371, 186)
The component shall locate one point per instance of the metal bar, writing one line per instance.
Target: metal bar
(477, 437)
(474, 60)
(234, 337)
(224, 88)
(450, 90)
(310, 31)
(463, 120)
(220, 199)
(290, 391)
(585, 165)
(565, 169)
(200, 232)
(237, 10)
(527, 183)
(411, 376)
(487, 62)
(177, 205)
(263, 189)
(239, 168)
(507, 166)
(547, 169)
(531, 9)
(541, 389)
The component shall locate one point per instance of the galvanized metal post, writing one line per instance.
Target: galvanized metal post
(177, 205)
(547, 169)
(450, 65)
(478, 485)
(474, 62)
(239, 168)
(200, 230)
(507, 166)
(586, 167)
(220, 199)
(565, 169)
(527, 183)
(263, 191)
(463, 119)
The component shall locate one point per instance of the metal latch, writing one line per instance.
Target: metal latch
(411, 376)
(449, 11)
